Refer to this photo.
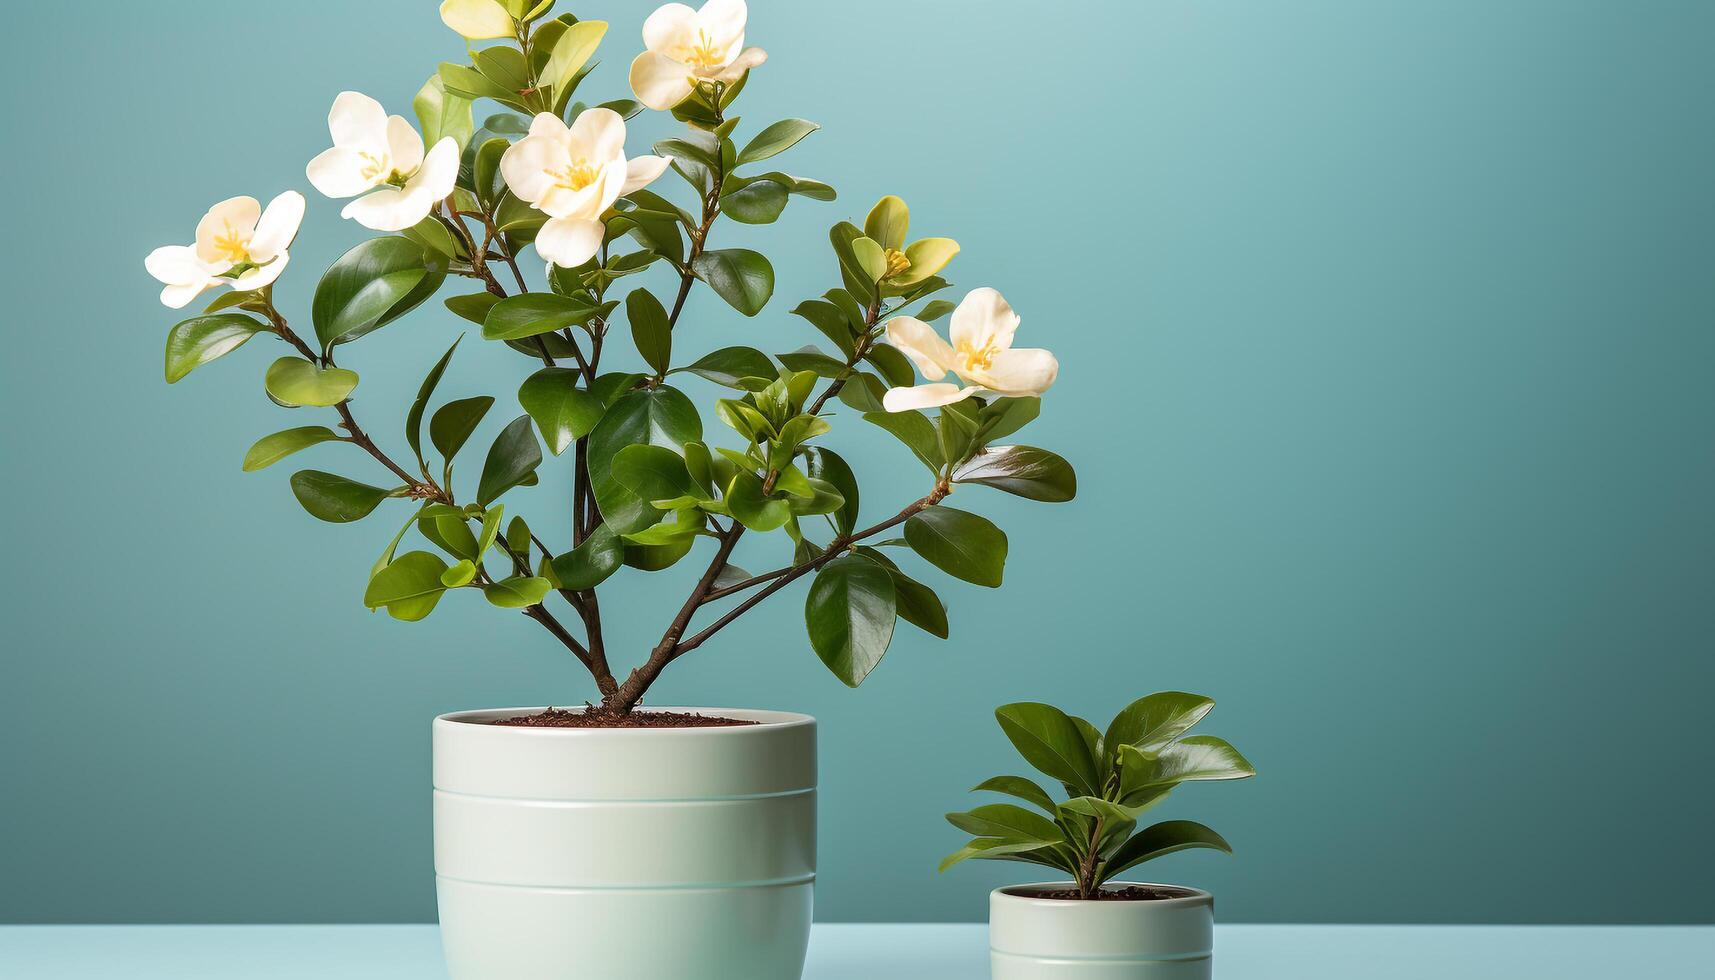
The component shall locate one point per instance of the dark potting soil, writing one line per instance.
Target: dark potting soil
(561, 718)
(1130, 893)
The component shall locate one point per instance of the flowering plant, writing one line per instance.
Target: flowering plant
(464, 202)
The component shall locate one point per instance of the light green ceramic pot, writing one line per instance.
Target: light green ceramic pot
(1055, 939)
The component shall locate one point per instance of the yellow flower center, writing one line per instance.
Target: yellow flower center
(896, 263)
(575, 176)
(231, 245)
(702, 55)
(979, 358)
(376, 166)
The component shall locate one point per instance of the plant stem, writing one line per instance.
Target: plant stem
(1087, 871)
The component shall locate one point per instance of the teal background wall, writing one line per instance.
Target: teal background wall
(1387, 332)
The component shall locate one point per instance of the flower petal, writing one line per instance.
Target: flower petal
(404, 145)
(390, 208)
(179, 296)
(669, 25)
(723, 21)
(339, 172)
(548, 124)
(277, 227)
(747, 59)
(983, 319)
(176, 265)
(927, 256)
(919, 341)
(477, 20)
(262, 275)
(569, 242)
(358, 122)
(1020, 371)
(527, 164)
(925, 396)
(640, 172)
(597, 135)
(439, 172)
(658, 81)
(232, 221)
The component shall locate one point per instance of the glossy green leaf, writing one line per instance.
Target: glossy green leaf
(517, 593)
(660, 416)
(1153, 721)
(815, 190)
(652, 472)
(775, 138)
(371, 285)
(409, 587)
(589, 564)
(571, 52)
(1006, 821)
(414, 419)
(194, 342)
(491, 531)
(650, 330)
(1049, 740)
(988, 848)
(749, 507)
(850, 614)
(915, 430)
(959, 543)
(474, 307)
(334, 498)
(529, 314)
(1164, 838)
(1017, 786)
(893, 365)
(563, 412)
(1192, 758)
(888, 223)
(452, 424)
(744, 368)
(1007, 415)
(812, 360)
(1024, 471)
(825, 464)
(758, 202)
(270, 449)
(449, 532)
(293, 381)
(919, 605)
(512, 461)
(441, 114)
(743, 278)
(935, 309)
(461, 574)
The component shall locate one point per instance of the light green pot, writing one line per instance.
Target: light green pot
(1051, 939)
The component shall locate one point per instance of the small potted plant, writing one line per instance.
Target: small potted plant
(610, 840)
(1092, 924)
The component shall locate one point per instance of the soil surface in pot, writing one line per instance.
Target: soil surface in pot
(561, 718)
(1130, 893)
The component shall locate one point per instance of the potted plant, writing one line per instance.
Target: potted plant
(1093, 925)
(610, 840)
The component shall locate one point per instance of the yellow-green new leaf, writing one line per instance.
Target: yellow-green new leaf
(270, 449)
(295, 382)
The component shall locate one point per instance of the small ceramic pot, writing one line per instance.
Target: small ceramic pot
(1056, 939)
(625, 853)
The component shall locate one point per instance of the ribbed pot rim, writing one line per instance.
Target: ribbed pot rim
(766, 720)
(1197, 896)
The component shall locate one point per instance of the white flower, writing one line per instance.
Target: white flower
(372, 149)
(573, 174)
(477, 20)
(238, 244)
(687, 47)
(981, 355)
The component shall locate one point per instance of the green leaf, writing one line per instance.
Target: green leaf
(194, 342)
(486, 172)
(1024, 471)
(453, 423)
(750, 508)
(517, 593)
(1164, 838)
(461, 574)
(743, 278)
(1153, 721)
(758, 202)
(815, 190)
(1048, 739)
(863, 392)
(825, 464)
(368, 287)
(442, 114)
(650, 330)
(414, 419)
(831, 321)
(512, 461)
(293, 382)
(990, 848)
(571, 52)
(473, 307)
(273, 448)
(935, 309)
(850, 614)
(961, 544)
(733, 367)
(888, 223)
(564, 412)
(652, 472)
(892, 364)
(660, 416)
(1017, 786)
(529, 314)
(1193, 758)
(589, 564)
(491, 530)
(1006, 821)
(812, 360)
(775, 139)
(919, 605)
(913, 429)
(409, 586)
(1007, 415)
(334, 498)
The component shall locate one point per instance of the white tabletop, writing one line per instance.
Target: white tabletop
(889, 952)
